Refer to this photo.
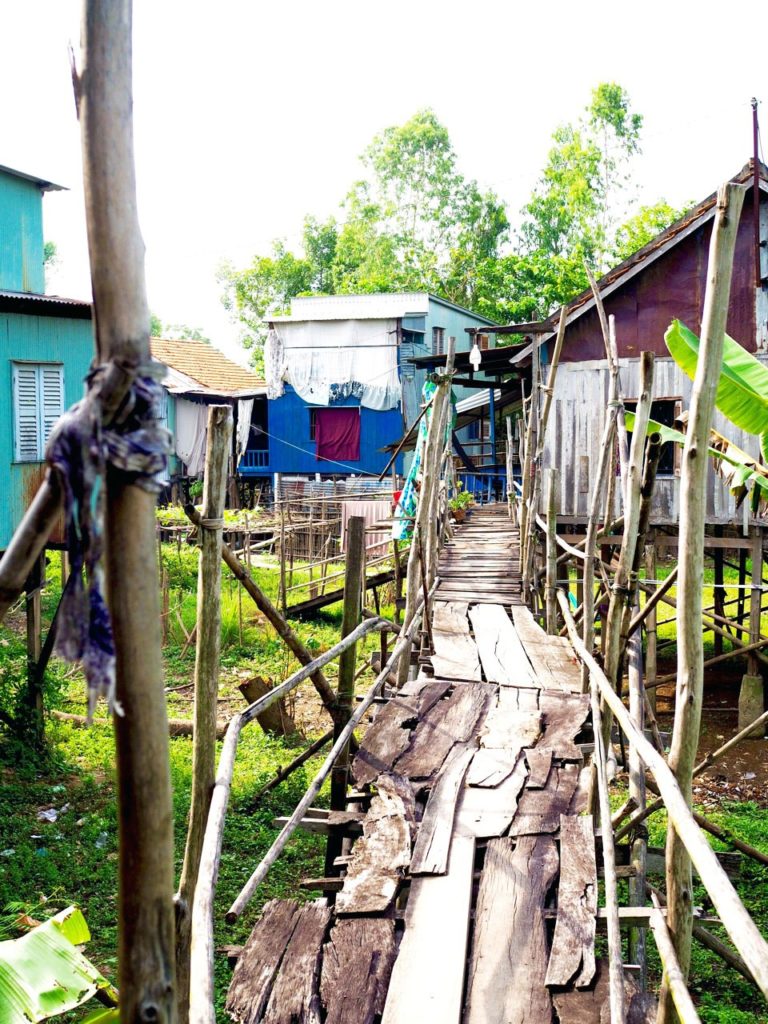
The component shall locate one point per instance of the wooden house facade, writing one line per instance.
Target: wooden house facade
(664, 280)
(46, 347)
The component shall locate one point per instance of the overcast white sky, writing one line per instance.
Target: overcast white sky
(248, 115)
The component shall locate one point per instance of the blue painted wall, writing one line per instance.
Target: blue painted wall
(288, 419)
(21, 235)
(39, 339)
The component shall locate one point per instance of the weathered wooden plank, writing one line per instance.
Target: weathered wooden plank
(502, 654)
(380, 857)
(573, 944)
(490, 767)
(390, 733)
(539, 764)
(504, 735)
(455, 654)
(564, 715)
(509, 951)
(296, 993)
(454, 720)
(259, 961)
(357, 964)
(519, 698)
(510, 729)
(430, 855)
(592, 1005)
(483, 812)
(540, 809)
(428, 977)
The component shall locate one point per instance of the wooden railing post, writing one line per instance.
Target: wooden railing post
(206, 680)
(551, 595)
(690, 654)
(353, 582)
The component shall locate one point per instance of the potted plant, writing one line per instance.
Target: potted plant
(460, 504)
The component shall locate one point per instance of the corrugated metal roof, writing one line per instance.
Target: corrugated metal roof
(380, 306)
(208, 367)
(651, 251)
(34, 297)
(476, 401)
(45, 185)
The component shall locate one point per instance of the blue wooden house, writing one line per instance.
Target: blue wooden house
(341, 383)
(46, 347)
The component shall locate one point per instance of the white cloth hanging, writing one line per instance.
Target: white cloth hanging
(327, 359)
(274, 364)
(244, 413)
(191, 430)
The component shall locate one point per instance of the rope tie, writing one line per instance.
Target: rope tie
(212, 524)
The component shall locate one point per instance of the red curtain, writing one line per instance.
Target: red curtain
(337, 433)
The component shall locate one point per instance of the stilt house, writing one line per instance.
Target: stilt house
(664, 280)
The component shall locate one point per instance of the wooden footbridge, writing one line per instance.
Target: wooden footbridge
(469, 880)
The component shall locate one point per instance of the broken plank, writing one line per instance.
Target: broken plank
(509, 951)
(484, 812)
(564, 715)
(389, 735)
(430, 855)
(540, 809)
(425, 986)
(505, 733)
(259, 961)
(519, 698)
(380, 857)
(502, 654)
(296, 992)
(573, 944)
(357, 964)
(539, 764)
(454, 720)
(588, 1006)
(455, 651)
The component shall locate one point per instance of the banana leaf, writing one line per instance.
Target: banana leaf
(43, 973)
(738, 468)
(742, 391)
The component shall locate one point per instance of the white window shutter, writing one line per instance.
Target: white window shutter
(52, 400)
(26, 412)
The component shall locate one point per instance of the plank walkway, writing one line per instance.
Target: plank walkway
(471, 897)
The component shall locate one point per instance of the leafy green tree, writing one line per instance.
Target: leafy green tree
(414, 219)
(575, 204)
(642, 227)
(175, 332)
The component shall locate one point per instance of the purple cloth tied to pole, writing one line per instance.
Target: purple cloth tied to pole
(80, 449)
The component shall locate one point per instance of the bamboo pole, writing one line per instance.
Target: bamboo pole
(145, 811)
(207, 656)
(430, 460)
(400, 649)
(735, 919)
(551, 598)
(675, 978)
(623, 584)
(353, 581)
(690, 680)
(604, 462)
(615, 964)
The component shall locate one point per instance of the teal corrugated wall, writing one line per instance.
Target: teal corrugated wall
(21, 235)
(40, 339)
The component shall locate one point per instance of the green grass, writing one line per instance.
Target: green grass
(721, 994)
(46, 866)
